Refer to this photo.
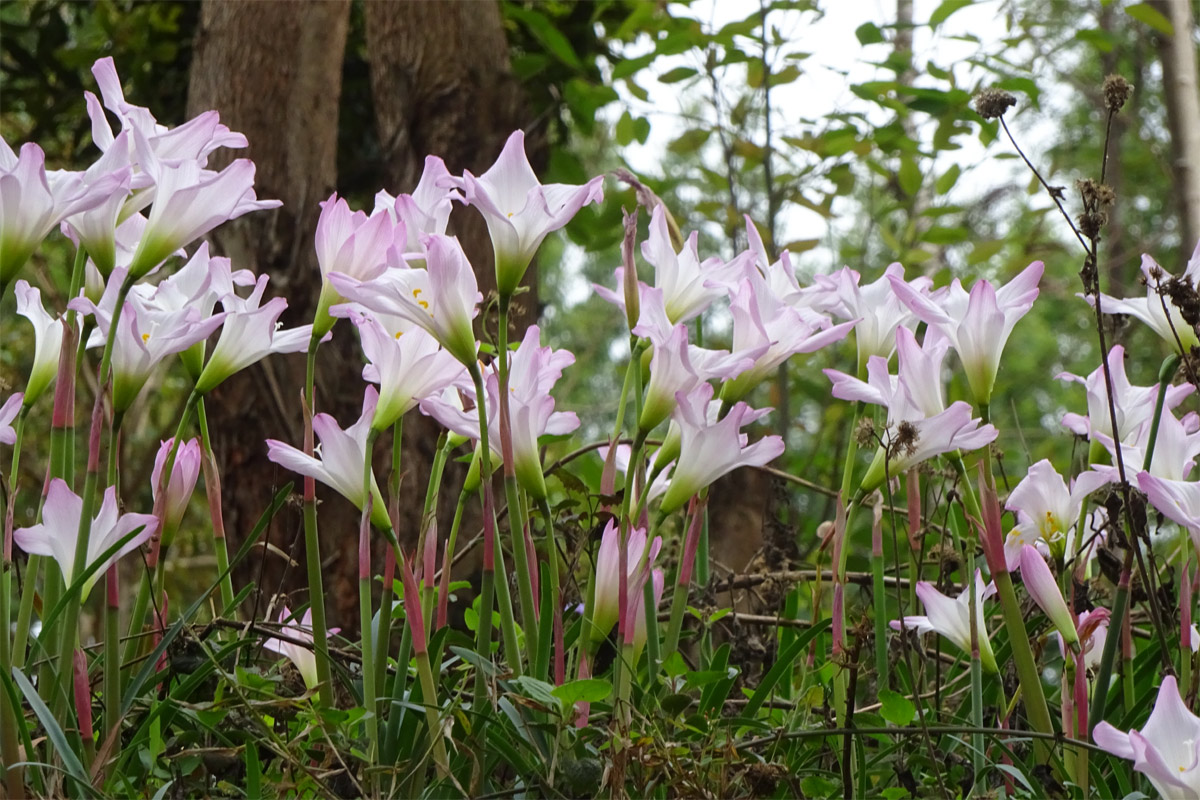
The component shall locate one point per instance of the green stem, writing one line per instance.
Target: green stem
(366, 636)
(219, 545)
(388, 593)
(312, 543)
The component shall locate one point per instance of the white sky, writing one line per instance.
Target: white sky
(837, 62)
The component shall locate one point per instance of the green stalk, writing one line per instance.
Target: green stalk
(70, 630)
(388, 592)
(548, 611)
(112, 657)
(9, 748)
(432, 721)
(491, 549)
(366, 636)
(516, 521)
(219, 545)
(312, 543)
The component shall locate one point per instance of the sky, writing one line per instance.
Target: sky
(837, 62)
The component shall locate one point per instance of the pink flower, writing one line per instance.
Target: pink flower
(706, 452)
(353, 244)
(57, 534)
(1046, 510)
(47, 340)
(443, 298)
(519, 210)
(533, 372)
(952, 618)
(33, 202)
(250, 333)
(761, 320)
(608, 577)
(1166, 750)
(425, 211)
(8, 412)
(181, 484)
(409, 367)
(914, 396)
(876, 306)
(1149, 309)
(1039, 582)
(146, 335)
(342, 457)
(977, 325)
(301, 656)
(1179, 501)
(1134, 404)
(189, 202)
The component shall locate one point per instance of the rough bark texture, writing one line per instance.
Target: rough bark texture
(1182, 95)
(440, 84)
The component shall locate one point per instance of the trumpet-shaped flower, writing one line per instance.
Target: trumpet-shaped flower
(531, 409)
(180, 485)
(304, 658)
(914, 396)
(8, 412)
(1093, 632)
(780, 276)
(353, 244)
(1176, 446)
(637, 606)
(95, 229)
(760, 320)
(952, 618)
(1166, 750)
(189, 202)
(425, 211)
(1046, 510)
(976, 324)
(57, 535)
(1039, 582)
(1134, 404)
(409, 366)
(875, 305)
(678, 367)
(608, 576)
(250, 333)
(1169, 324)
(33, 202)
(706, 452)
(1177, 500)
(47, 340)
(519, 210)
(341, 457)
(146, 334)
(443, 298)
(688, 285)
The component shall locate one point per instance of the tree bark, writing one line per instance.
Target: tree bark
(274, 73)
(440, 84)
(1182, 95)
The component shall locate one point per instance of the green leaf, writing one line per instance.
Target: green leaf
(1101, 40)
(542, 29)
(676, 75)
(943, 12)
(689, 141)
(588, 690)
(940, 235)
(69, 758)
(782, 665)
(909, 176)
(624, 130)
(540, 691)
(982, 251)
(868, 33)
(896, 708)
(947, 179)
(1149, 15)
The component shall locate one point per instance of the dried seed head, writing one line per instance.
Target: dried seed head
(1090, 223)
(864, 434)
(905, 441)
(992, 103)
(1184, 296)
(1116, 92)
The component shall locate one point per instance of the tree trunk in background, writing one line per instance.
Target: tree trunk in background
(275, 74)
(441, 84)
(1182, 95)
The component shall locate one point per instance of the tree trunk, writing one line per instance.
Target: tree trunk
(1182, 97)
(441, 84)
(275, 74)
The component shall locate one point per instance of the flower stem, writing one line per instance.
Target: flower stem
(312, 543)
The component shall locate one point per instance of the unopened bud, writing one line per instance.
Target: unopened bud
(632, 298)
